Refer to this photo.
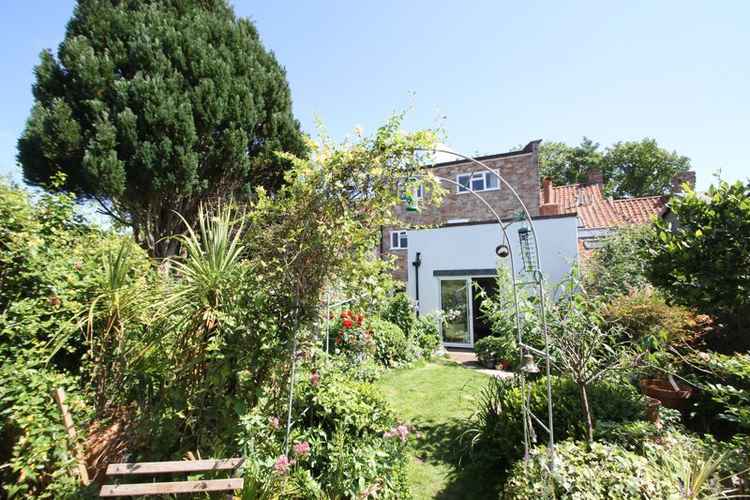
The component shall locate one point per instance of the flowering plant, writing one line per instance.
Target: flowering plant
(351, 334)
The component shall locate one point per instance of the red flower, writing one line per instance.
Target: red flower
(347, 323)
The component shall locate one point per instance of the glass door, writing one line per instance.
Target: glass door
(455, 297)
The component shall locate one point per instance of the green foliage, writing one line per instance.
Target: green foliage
(726, 380)
(400, 310)
(492, 351)
(642, 168)
(569, 164)
(392, 348)
(703, 260)
(426, 335)
(646, 318)
(630, 169)
(621, 263)
(154, 106)
(498, 422)
(34, 443)
(593, 471)
(347, 425)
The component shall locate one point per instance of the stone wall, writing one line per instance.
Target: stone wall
(519, 168)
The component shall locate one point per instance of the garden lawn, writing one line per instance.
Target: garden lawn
(437, 398)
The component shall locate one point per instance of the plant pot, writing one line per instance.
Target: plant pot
(666, 393)
(487, 362)
(503, 364)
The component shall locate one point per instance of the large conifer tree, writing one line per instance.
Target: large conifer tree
(152, 106)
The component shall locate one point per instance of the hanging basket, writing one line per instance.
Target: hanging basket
(664, 391)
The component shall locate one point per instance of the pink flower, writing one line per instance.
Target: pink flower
(283, 464)
(274, 421)
(400, 431)
(302, 449)
(315, 378)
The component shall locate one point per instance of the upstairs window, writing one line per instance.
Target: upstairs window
(399, 241)
(480, 181)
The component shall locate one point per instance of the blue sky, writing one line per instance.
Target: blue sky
(493, 74)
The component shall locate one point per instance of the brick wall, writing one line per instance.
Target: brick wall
(520, 169)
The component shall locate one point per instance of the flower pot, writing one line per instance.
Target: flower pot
(666, 393)
(503, 364)
(487, 362)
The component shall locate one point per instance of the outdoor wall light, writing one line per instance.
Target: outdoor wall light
(502, 251)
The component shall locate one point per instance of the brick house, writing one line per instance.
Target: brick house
(519, 168)
(445, 253)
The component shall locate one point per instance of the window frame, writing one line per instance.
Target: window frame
(401, 233)
(467, 188)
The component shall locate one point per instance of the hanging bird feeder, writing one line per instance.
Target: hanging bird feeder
(410, 202)
(528, 249)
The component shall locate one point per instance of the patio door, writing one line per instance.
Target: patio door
(460, 302)
(455, 297)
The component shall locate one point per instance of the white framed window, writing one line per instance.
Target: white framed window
(399, 240)
(479, 181)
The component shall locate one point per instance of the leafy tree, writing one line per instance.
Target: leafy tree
(152, 107)
(703, 259)
(642, 168)
(569, 164)
(636, 168)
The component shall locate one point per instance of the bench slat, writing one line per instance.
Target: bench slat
(117, 490)
(174, 466)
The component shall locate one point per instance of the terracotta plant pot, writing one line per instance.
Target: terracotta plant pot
(503, 364)
(665, 392)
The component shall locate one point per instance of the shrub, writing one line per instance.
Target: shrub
(391, 345)
(496, 350)
(400, 311)
(498, 422)
(349, 429)
(700, 256)
(427, 335)
(619, 265)
(34, 442)
(646, 318)
(599, 471)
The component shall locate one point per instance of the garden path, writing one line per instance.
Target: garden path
(468, 359)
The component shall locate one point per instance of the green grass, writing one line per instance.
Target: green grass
(437, 398)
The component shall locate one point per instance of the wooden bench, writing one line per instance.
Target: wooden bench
(172, 487)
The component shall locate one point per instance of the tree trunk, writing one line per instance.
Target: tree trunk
(586, 412)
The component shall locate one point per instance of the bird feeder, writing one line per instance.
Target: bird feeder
(410, 202)
(529, 365)
(528, 249)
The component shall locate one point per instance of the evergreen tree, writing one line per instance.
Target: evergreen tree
(151, 107)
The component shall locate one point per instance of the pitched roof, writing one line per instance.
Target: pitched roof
(597, 211)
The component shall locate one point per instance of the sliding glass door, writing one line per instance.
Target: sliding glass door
(455, 297)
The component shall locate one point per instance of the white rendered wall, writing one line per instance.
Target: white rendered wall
(473, 247)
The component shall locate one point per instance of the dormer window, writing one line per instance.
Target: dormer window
(479, 181)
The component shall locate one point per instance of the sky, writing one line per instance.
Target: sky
(493, 75)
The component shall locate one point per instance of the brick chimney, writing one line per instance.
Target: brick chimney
(683, 177)
(547, 207)
(594, 176)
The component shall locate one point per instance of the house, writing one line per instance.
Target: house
(599, 215)
(443, 253)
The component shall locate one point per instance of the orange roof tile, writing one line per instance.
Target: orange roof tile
(596, 211)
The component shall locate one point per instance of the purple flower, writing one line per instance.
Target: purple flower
(302, 449)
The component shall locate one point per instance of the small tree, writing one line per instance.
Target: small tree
(581, 346)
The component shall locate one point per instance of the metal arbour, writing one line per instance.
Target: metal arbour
(537, 282)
